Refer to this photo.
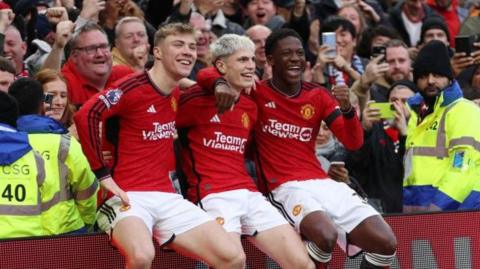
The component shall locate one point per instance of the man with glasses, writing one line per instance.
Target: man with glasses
(88, 69)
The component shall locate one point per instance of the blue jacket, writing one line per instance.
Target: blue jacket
(14, 144)
(38, 124)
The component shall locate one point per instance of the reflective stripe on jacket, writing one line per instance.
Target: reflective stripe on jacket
(442, 161)
(21, 187)
(69, 201)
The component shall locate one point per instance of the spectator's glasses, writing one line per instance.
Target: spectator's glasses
(92, 50)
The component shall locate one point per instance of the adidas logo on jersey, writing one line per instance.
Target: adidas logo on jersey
(270, 104)
(215, 118)
(151, 109)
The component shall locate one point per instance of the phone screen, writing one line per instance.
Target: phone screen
(387, 111)
(464, 44)
(330, 40)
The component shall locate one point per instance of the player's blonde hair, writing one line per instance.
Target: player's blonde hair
(172, 29)
(228, 44)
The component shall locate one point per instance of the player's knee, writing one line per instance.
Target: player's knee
(327, 240)
(141, 258)
(387, 244)
(232, 261)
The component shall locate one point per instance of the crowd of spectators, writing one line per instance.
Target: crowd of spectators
(421, 154)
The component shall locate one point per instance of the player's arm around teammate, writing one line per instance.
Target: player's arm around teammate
(145, 205)
(226, 192)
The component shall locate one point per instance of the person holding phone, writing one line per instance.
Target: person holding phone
(378, 165)
(374, 84)
(343, 66)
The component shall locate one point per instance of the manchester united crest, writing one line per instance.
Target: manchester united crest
(307, 111)
(296, 210)
(220, 220)
(173, 103)
(245, 120)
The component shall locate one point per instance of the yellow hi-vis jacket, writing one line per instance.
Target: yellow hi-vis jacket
(69, 201)
(22, 179)
(442, 162)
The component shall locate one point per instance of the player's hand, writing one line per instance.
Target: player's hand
(371, 115)
(342, 94)
(64, 33)
(225, 97)
(6, 18)
(110, 185)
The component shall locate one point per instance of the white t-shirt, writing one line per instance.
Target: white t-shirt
(414, 29)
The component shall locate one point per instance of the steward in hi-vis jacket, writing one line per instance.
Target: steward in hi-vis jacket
(442, 163)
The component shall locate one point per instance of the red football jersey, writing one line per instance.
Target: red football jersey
(144, 156)
(287, 128)
(213, 145)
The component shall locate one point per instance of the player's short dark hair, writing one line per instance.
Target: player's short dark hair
(29, 94)
(278, 35)
(334, 23)
(6, 66)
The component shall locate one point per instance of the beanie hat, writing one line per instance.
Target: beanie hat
(8, 109)
(42, 26)
(404, 82)
(432, 58)
(433, 23)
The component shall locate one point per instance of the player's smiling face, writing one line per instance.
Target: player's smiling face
(288, 60)
(238, 68)
(178, 54)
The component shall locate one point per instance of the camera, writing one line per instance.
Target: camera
(48, 99)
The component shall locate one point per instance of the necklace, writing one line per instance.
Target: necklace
(282, 92)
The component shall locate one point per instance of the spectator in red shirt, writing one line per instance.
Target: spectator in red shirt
(89, 67)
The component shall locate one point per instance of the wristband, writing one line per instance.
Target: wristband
(350, 113)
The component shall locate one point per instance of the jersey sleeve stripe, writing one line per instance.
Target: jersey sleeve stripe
(191, 94)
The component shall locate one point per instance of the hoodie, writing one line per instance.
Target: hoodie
(14, 144)
(38, 124)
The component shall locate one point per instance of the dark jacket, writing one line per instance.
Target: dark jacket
(378, 167)
(397, 22)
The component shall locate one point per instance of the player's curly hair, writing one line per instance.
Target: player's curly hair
(278, 35)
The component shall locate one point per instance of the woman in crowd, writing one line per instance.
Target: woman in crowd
(57, 105)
